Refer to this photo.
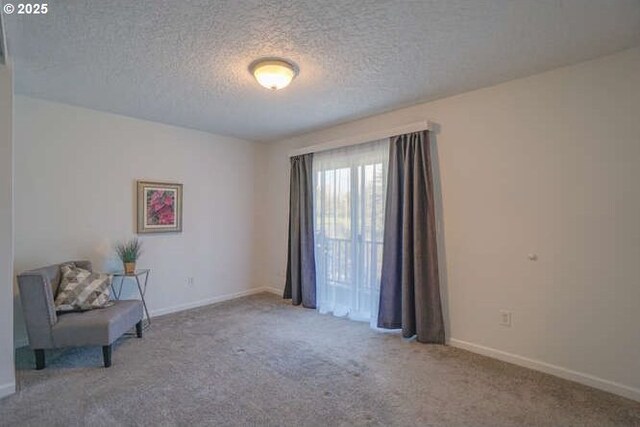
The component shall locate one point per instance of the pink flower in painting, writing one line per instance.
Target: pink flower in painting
(156, 196)
(165, 216)
(160, 207)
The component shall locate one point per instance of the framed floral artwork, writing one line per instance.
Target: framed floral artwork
(159, 207)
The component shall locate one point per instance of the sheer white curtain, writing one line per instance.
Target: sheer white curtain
(349, 195)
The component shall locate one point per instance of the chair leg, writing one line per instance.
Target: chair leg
(106, 355)
(139, 329)
(40, 360)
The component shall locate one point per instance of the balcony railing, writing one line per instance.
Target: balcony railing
(340, 268)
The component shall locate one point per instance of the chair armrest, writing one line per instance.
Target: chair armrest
(38, 308)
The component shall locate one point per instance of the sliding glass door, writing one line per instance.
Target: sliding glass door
(349, 196)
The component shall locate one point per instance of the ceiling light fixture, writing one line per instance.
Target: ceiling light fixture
(273, 73)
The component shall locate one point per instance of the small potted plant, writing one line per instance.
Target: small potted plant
(129, 252)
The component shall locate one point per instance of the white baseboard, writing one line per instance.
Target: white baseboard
(208, 301)
(272, 290)
(7, 389)
(538, 365)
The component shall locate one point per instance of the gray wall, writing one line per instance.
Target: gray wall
(7, 375)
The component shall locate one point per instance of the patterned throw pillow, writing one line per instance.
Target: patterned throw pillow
(82, 290)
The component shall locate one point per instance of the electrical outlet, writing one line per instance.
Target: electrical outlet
(190, 281)
(505, 318)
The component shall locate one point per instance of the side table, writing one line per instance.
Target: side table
(142, 288)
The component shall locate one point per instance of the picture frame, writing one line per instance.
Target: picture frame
(159, 207)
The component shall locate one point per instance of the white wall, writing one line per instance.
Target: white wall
(7, 376)
(75, 197)
(548, 164)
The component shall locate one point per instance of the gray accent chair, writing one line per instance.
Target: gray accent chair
(48, 330)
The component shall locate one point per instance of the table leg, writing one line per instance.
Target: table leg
(116, 295)
(146, 278)
(144, 303)
(120, 290)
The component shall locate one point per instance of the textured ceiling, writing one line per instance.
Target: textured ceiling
(185, 62)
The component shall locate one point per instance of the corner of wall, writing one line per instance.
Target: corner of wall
(7, 373)
(7, 389)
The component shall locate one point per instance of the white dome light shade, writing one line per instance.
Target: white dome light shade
(273, 74)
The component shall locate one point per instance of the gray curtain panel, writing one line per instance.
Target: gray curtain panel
(301, 268)
(410, 289)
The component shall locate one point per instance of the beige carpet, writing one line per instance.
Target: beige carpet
(260, 361)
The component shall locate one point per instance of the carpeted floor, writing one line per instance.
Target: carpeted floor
(260, 361)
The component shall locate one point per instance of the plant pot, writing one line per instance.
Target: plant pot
(129, 267)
